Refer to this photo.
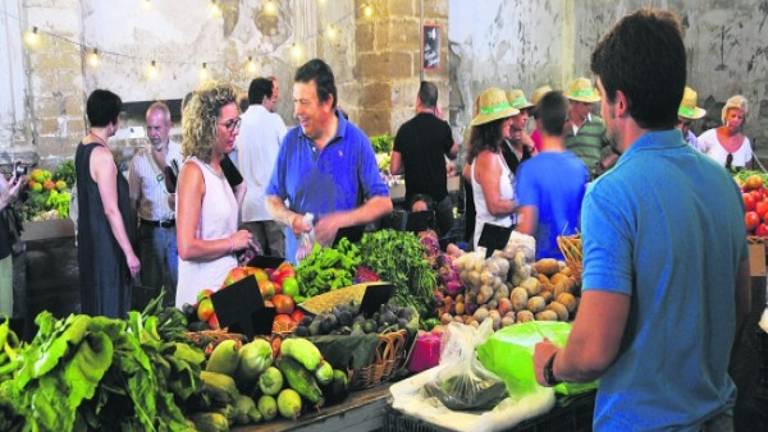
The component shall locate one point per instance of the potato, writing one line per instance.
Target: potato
(560, 310)
(519, 298)
(468, 319)
(531, 285)
(473, 278)
(481, 300)
(524, 316)
(560, 287)
(446, 318)
(566, 271)
(496, 318)
(481, 314)
(504, 290)
(507, 321)
(492, 304)
(547, 295)
(557, 277)
(458, 319)
(547, 266)
(536, 304)
(546, 315)
(505, 306)
(486, 277)
(543, 279)
(460, 298)
(487, 291)
(474, 323)
(459, 308)
(567, 300)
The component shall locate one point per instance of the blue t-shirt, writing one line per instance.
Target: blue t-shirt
(665, 227)
(554, 183)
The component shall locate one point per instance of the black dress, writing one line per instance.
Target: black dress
(105, 282)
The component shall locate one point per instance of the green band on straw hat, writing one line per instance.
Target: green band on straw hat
(520, 101)
(686, 111)
(501, 106)
(583, 92)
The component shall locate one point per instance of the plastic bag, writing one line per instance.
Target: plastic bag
(463, 383)
(509, 354)
(306, 240)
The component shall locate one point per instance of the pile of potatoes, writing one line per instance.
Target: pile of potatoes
(550, 294)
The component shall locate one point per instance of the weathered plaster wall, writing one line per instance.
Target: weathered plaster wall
(504, 42)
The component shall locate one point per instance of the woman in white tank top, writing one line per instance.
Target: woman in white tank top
(206, 207)
(492, 180)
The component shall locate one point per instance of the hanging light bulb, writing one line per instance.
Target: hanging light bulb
(32, 37)
(152, 70)
(214, 9)
(93, 58)
(322, 2)
(270, 8)
(204, 75)
(146, 4)
(368, 11)
(251, 65)
(296, 52)
(332, 33)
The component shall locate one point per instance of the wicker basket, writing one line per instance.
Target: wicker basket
(390, 355)
(570, 246)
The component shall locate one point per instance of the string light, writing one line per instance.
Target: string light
(251, 66)
(270, 8)
(93, 58)
(146, 4)
(332, 32)
(204, 72)
(32, 37)
(296, 52)
(214, 9)
(152, 70)
(368, 11)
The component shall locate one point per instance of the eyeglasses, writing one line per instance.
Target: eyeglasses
(729, 161)
(232, 124)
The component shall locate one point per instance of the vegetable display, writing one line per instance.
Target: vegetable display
(48, 195)
(399, 258)
(755, 197)
(326, 269)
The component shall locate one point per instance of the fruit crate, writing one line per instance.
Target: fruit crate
(573, 414)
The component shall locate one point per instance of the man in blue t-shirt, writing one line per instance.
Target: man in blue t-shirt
(326, 166)
(551, 185)
(666, 278)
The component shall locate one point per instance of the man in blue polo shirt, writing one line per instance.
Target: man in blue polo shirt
(326, 166)
(666, 280)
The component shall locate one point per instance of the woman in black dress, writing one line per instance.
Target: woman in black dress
(106, 223)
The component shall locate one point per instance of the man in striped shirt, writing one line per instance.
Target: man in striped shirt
(155, 205)
(585, 132)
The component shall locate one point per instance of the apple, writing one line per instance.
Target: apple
(283, 304)
(267, 289)
(749, 201)
(259, 274)
(235, 275)
(290, 286)
(203, 294)
(297, 315)
(213, 321)
(762, 230)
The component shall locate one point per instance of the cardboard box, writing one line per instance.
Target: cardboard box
(757, 259)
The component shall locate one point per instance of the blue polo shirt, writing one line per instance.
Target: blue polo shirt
(337, 178)
(665, 227)
(554, 183)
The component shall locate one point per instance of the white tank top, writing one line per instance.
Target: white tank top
(506, 191)
(218, 220)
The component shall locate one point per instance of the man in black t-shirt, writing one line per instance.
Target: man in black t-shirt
(420, 148)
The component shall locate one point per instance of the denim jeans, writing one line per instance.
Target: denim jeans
(159, 258)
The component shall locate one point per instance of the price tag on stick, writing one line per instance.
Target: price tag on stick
(493, 237)
(376, 294)
(240, 307)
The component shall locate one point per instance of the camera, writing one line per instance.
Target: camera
(20, 169)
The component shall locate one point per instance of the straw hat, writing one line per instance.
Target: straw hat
(493, 105)
(581, 90)
(688, 109)
(517, 99)
(737, 101)
(539, 93)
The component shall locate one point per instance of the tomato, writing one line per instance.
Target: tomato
(751, 220)
(749, 201)
(757, 195)
(761, 208)
(753, 182)
(762, 230)
(297, 315)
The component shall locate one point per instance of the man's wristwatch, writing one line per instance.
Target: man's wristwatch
(549, 374)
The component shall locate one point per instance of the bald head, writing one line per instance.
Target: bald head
(158, 125)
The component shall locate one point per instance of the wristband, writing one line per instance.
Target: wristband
(549, 373)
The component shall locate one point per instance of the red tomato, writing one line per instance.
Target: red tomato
(762, 230)
(751, 220)
(761, 208)
(757, 195)
(749, 201)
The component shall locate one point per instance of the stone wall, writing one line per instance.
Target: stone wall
(526, 44)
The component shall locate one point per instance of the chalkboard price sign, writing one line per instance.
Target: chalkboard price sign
(430, 47)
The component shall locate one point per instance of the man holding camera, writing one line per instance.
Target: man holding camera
(154, 205)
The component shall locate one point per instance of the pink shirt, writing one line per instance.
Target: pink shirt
(536, 137)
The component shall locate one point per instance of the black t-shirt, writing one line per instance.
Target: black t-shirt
(511, 158)
(423, 141)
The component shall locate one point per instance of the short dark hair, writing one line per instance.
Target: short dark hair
(103, 107)
(552, 109)
(318, 71)
(644, 56)
(428, 94)
(259, 88)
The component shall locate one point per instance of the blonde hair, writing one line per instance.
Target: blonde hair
(200, 118)
(736, 101)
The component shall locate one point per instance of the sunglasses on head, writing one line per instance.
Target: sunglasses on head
(232, 124)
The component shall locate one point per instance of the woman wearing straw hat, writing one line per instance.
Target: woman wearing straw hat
(492, 180)
(687, 114)
(727, 144)
(519, 146)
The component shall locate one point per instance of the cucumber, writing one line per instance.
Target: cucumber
(300, 380)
